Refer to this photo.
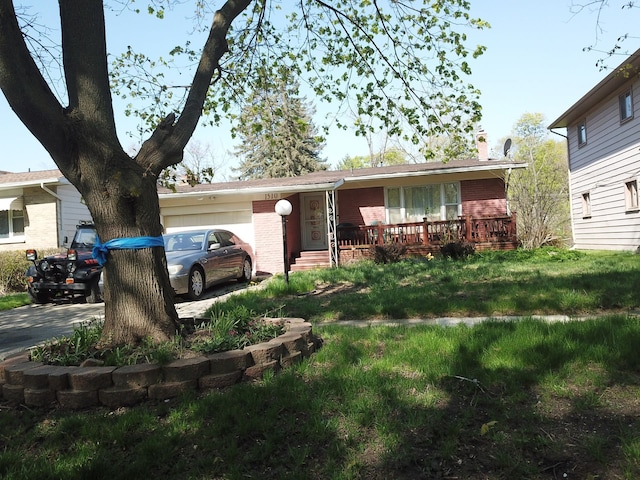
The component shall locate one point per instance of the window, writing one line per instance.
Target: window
(626, 106)
(582, 133)
(11, 225)
(586, 205)
(631, 195)
(413, 204)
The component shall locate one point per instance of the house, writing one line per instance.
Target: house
(338, 215)
(38, 210)
(603, 137)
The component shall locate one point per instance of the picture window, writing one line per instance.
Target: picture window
(413, 204)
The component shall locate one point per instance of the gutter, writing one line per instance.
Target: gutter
(31, 183)
(559, 134)
(256, 190)
(49, 191)
(59, 204)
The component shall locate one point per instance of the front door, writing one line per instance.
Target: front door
(314, 222)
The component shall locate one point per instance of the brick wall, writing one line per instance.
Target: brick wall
(361, 206)
(267, 224)
(483, 198)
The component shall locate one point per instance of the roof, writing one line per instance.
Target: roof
(612, 82)
(333, 179)
(326, 179)
(25, 179)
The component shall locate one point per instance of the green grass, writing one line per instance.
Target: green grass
(500, 400)
(545, 281)
(7, 302)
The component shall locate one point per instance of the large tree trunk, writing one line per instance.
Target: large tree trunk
(123, 201)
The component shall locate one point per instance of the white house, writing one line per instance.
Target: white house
(38, 210)
(603, 136)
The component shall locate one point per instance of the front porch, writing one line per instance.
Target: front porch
(354, 242)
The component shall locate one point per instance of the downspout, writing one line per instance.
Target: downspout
(58, 211)
(506, 191)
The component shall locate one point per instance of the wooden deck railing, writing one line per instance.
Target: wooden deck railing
(476, 230)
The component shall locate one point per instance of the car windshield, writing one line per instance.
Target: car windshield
(175, 242)
(85, 237)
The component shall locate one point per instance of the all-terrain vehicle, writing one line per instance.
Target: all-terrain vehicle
(66, 276)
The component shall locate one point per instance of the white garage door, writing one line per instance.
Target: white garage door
(238, 222)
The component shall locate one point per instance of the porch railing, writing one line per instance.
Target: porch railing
(467, 228)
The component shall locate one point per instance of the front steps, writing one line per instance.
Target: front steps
(310, 260)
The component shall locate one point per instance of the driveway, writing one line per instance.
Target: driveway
(31, 325)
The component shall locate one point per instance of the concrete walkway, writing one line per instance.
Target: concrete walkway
(450, 321)
(25, 327)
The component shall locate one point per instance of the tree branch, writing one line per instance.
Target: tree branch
(25, 88)
(85, 63)
(170, 139)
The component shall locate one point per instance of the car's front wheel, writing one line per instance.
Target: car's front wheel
(196, 284)
(38, 297)
(94, 292)
(245, 276)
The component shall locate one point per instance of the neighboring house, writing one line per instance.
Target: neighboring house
(416, 204)
(603, 136)
(38, 210)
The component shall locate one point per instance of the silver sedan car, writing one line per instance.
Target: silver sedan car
(197, 259)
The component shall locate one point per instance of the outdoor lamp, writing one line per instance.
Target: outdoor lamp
(283, 208)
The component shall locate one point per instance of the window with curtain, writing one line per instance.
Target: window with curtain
(413, 204)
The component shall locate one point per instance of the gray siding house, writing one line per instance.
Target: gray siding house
(38, 210)
(603, 137)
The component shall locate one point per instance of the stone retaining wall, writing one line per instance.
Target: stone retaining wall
(34, 384)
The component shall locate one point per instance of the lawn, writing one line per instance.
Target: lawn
(502, 400)
(13, 300)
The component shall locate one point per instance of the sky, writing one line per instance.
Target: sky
(534, 63)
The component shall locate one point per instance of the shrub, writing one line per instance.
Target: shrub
(387, 253)
(13, 266)
(458, 250)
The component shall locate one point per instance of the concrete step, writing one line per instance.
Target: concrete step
(311, 259)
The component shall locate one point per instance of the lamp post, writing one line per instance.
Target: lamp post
(283, 208)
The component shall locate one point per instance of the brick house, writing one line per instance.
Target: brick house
(38, 210)
(338, 215)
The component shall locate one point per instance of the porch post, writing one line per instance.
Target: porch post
(467, 220)
(380, 240)
(425, 235)
(334, 254)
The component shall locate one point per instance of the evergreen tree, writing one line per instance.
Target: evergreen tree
(278, 136)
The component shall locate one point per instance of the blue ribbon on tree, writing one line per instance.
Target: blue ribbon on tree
(100, 250)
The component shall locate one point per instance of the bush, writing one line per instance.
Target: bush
(387, 253)
(458, 250)
(13, 266)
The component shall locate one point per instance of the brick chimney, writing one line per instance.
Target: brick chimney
(482, 145)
